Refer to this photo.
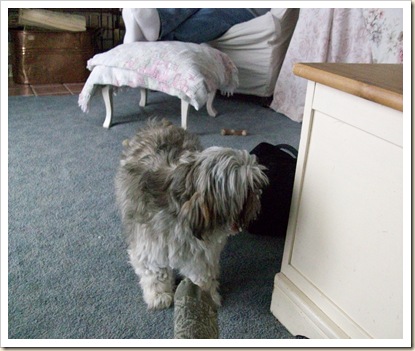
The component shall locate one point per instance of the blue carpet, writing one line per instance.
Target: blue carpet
(68, 270)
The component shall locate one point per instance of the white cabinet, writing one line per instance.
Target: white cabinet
(341, 275)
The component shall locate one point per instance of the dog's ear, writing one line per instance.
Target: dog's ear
(195, 213)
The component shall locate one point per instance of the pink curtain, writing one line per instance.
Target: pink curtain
(321, 35)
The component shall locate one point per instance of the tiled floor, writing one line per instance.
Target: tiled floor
(44, 89)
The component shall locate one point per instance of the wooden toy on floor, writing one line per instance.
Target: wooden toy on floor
(242, 132)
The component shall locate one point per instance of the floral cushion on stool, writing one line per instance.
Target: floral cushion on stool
(186, 70)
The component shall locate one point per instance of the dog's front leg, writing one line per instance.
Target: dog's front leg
(211, 286)
(156, 282)
(206, 277)
(157, 286)
(203, 267)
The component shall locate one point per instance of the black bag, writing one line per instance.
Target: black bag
(280, 161)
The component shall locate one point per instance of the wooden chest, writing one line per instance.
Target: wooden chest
(44, 57)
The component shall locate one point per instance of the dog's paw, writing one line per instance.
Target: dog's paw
(160, 301)
(209, 286)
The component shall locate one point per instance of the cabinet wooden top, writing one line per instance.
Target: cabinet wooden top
(381, 83)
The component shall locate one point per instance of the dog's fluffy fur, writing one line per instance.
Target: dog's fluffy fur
(179, 203)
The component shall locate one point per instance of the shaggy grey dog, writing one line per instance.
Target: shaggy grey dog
(179, 203)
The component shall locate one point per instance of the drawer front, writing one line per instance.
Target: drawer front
(384, 122)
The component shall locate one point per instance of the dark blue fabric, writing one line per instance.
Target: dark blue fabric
(170, 19)
(199, 25)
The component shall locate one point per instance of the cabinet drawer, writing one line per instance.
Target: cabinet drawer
(384, 122)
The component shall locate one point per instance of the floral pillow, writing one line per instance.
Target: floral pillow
(186, 70)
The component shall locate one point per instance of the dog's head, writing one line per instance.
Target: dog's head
(218, 188)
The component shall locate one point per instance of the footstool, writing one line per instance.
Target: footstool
(192, 72)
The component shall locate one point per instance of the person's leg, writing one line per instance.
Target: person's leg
(170, 19)
(207, 24)
(132, 29)
(149, 22)
(141, 24)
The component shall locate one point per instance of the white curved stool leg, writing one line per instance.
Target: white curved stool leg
(210, 109)
(185, 113)
(107, 95)
(143, 97)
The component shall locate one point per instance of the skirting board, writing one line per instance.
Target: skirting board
(299, 314)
